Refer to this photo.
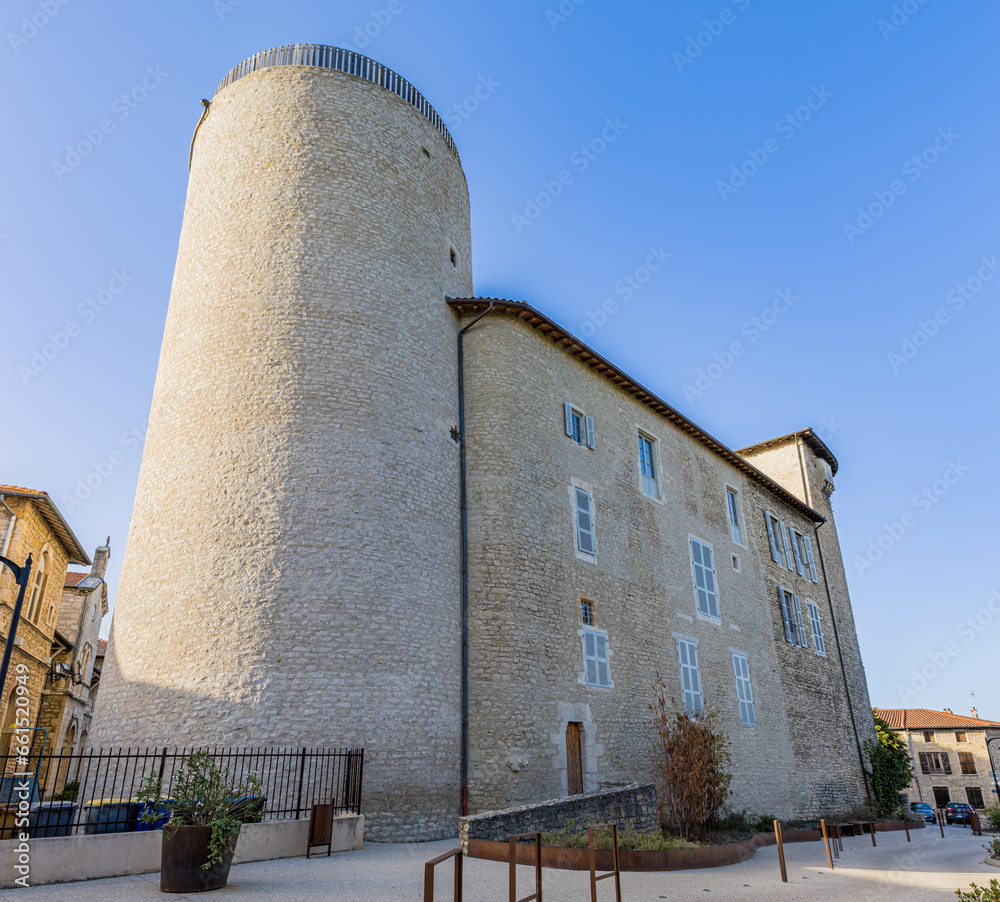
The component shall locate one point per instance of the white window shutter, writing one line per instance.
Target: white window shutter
(775, 547)
(803, 639)
(789, 560)
(590, 432)
(812, 560)
(569, 419)
(584, 523)
(800, 565)
(786, 616)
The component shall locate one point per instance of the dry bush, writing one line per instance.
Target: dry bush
(692, 763)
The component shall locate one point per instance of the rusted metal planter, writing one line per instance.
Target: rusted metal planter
(184, 851)
(641, 860)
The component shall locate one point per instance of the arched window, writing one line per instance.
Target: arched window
(38, 587)
(85, 658)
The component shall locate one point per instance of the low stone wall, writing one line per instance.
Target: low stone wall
(632, 805)
(62, 859)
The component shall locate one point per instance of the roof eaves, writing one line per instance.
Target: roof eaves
(595, 361)
(55, 519)
(808, 436)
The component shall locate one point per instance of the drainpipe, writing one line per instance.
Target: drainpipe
(465, 561)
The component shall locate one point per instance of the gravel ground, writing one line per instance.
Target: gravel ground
(927, 869)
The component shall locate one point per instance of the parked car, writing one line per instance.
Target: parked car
(958, 812)
(924, 809)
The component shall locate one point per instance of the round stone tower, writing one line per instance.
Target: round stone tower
(292, 574)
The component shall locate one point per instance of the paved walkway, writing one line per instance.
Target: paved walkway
(930, 868)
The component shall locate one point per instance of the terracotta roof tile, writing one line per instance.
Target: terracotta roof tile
(55, 519)
(102, 647)
(73, 578)
(925, 719)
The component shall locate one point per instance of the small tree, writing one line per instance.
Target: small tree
(892, 769)
(692, 761)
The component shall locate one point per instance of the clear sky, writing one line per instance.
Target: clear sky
(844, 154)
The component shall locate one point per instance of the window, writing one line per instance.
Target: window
(975, 796)
(687, 650)
(454, 256)
(735, 519)
(817, 628)
(934, 763)
(789, 601)
(588, 613)
(647, 467)
(789, 548)
(704, 578)
(961, 737)
(584, 522)
(38, 588)
(803, 638)
(741, 668)
(579, 425)
(968, 762)
(595, 658)
(929, 736)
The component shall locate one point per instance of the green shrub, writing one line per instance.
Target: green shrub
(628, 838)
(992, 813)
(993, 848)
(69, 792)
(989, 893)
(892, 767)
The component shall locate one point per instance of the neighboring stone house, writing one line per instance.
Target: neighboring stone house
(68, 699)
(296, 565)
(951, 762)
(30, 523)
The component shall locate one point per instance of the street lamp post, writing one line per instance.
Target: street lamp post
(21, 575)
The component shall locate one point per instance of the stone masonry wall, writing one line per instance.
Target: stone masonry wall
(633, 805)
(291, 576)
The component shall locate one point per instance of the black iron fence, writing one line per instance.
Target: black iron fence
(95, 791)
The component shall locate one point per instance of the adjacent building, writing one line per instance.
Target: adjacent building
(951, 761)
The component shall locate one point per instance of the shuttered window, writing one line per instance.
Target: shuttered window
(811, 560)
(690, 676)
(788, 618)
(777, 554)
(704, 578)
(647, 467)
(744, 692)
(817, 629)
(584, 523)
(578, 425)
(975, 796)
(735, 520)
(968, 762)
(595, 658)
(798, 550)
(935, 763)
(803, 638)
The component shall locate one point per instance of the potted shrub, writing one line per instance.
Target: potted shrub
(200, 838)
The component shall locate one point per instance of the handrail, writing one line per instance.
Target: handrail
(323, 56)
(429, 874)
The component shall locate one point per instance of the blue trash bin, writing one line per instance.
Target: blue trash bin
(109, 816)
(162, 809)
(52, 819)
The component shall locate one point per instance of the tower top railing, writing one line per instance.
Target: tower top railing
(322, 56)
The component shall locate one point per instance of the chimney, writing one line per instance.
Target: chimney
(975, 714)
(101, 559)
(948, 711)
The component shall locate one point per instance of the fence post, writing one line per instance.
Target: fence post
(871, 827)
(302, 774)
(781, 851)
(906, 824)
(826, 844)
(941, 819)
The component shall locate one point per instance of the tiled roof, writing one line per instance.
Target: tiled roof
(552, 330)
(77, 553)
(102, 647)
(73, 578)
(808, 436)
(924, 719)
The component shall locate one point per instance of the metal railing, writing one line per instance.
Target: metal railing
(107, 782)
(323, 56)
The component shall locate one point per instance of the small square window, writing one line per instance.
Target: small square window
(929, 736)
(961, 737)
(588, 612)
(736, 563)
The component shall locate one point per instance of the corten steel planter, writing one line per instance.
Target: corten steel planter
(184, 851)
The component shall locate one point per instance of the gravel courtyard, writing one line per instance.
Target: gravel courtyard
(929, 868)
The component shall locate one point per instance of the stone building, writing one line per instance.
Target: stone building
(951, 762)
(68, 698)
(30, 523)
(360, 519)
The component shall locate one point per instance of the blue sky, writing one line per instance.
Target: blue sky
(844, 154)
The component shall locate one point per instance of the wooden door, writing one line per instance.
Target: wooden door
(574, 760)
